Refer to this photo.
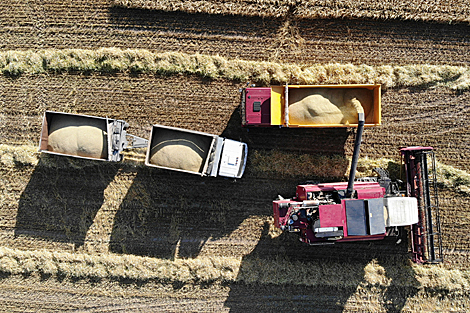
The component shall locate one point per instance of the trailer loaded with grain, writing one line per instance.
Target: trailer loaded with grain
(195, 152)
(87, 137)
(311, 105)
(98, 138)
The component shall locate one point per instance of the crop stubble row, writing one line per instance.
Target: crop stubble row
(435, 117)
(80, 24)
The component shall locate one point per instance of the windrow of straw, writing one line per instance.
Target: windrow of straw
(113, 60)
(429, 10)
(272, 163)
(203, 270)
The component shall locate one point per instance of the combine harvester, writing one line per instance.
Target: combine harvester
(98, 138)
(369, 209)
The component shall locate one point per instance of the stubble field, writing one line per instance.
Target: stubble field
(94, 236)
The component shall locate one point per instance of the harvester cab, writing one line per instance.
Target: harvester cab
(86, 137)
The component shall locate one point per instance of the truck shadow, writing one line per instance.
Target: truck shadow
(282, 274)
(62, 198)
(170, 214)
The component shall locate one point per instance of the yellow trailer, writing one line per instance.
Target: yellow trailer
(311, 105)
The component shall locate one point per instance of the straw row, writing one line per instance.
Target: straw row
(205, 270)
(272, 163)
(429, 10)
(113, 60)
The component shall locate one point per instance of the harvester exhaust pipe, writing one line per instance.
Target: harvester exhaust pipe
(355, 158)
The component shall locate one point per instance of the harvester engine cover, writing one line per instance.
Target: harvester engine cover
(321, 213)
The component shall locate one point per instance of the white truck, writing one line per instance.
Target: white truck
(195, 152)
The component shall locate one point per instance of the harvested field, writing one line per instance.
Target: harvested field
(96, 236)
(434, 11)
(39, 25)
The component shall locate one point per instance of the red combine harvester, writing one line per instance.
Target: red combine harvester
(371, 208)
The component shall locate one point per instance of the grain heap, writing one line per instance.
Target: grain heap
(78, 135)
(177, 150)
(329, 106)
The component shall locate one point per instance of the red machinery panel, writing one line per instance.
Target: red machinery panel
(371, 193)
(364, 189)
(332, 215)
(258, 106)
(280, 211)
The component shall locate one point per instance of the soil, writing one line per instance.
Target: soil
(99, 207)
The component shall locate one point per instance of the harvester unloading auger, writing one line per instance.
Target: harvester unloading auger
(368, 209)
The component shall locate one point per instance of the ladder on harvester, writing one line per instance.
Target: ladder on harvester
(420, 171)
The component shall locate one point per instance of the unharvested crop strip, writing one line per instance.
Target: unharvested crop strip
(113, 60)
(431, 10)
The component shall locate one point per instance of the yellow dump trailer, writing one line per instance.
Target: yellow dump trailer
(311, 105)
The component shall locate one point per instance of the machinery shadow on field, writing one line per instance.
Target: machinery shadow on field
(326, 141)
(62, 198)
(282, 274)
(169, 214)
